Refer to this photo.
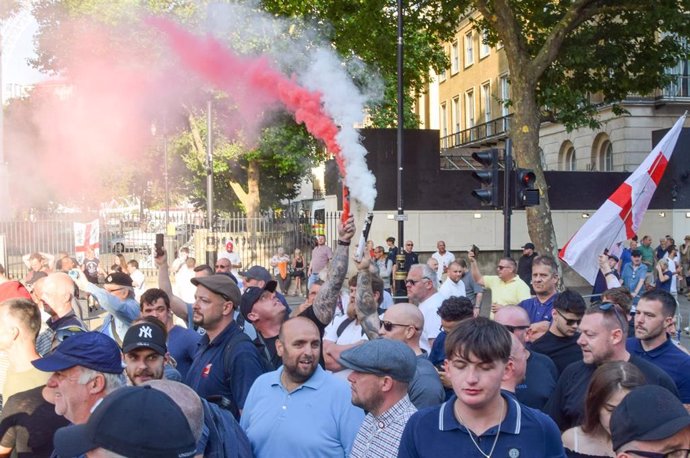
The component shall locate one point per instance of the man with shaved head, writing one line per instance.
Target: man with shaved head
(541, 376)
(57, 299)
(282, 404)
(516, 374)
(404, 322)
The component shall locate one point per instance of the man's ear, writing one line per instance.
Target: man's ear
(228, 308)
(280, 349)
(97, 384)
(252, 316)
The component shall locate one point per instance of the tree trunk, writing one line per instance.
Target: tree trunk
(253, 205)
(525, 136)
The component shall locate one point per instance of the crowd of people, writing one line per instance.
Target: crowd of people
(221, 366)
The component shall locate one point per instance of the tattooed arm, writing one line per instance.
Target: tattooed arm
(365, 303)
(327, 298)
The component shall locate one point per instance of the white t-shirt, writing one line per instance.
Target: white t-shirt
(672, 265)
(351, 334)
(450, 288)
(183, 284)
(234, 259)
(139, 283)
(444, 261)
(432, 321)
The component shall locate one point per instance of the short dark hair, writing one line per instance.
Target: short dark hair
(27, 312)
(462, 263)
(570, 301)
(134, 263)
(151, 295)
(511, 261)
(546, 260)
(390, 239)
(481, 337)
(606, 380)
(621, 296)
(614, 317)
(376, 285)
(456, 308)
(204, 268)
(668, 303)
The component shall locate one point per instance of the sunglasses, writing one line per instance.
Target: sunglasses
(500, 267)
(414, 282)
(512, 329)
(681, 453)
(607, 307)
(388, 326)
(568, 321)
(221, 266)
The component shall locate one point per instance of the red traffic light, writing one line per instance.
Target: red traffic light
(527, 178)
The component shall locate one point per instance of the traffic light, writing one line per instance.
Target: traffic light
(526, 192)
(488, 177)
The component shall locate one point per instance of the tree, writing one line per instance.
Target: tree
(560, 52)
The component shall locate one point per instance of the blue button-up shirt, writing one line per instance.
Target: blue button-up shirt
(316, 419)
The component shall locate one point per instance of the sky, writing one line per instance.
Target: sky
(18, 47)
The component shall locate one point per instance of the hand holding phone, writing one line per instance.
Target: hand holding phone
(159, 245)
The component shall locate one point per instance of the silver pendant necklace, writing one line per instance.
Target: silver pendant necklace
(498, 431)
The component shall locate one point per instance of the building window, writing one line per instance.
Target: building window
(454, 58)
(606, 157)
(456, 114)
(469, 49)
(484, 48)
(444, 125)
(568, 157)
(486, 107)
(469, 113)
(504, 88)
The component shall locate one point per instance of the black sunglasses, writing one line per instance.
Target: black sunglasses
(414, 282)
(680, 453)
(388, 326)
(607, 307)
(568, 321)
(512, 329)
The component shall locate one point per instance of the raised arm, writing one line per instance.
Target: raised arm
(177, 305)
(476, 274)
(365, 303)
(326, 300)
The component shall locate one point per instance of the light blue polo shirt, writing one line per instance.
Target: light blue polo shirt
(524, 433)
(315, 420)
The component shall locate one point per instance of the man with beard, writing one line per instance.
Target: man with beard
(227, 362)
(145, 352)
(655, 313)
(603, 332)
(381, 372)
(282, 403)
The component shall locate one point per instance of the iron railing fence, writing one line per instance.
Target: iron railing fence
(256, 240)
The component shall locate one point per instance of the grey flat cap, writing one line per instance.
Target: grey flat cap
(381, 357)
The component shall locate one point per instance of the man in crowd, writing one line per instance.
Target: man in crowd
(411, 258)
(381, 372)
(20, 321)
(600, 282)
(422, 291)
(560, 342)
(37, 262)
(182, 342)
(478, 359)
(453, 286)
(138, 278)
(259, 276)
(603, 333)
(133, 421)
(300, 393)
(320, 256)
(404, 322)
(227, 362)
(444, 258)
(58, 301)
(506, 287)
(385, 267)
(117, 298)
(647, 256)
(633, 276)
(541, 375)
(233, 258)
(145, 353)
(544, 283)
(655, 313)
(85, 369)
(473, 290)
(650, 422)
(452, 311)
(525, 262)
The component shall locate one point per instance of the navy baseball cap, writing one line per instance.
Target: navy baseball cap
(131, 421)
(93, 350)
(119, 279)
(252, 295)
(257, 273)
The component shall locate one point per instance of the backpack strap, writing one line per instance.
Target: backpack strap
(346, 322)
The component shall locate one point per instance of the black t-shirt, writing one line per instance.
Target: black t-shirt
(563, 351)
(540, 381)
(28, 422)
(267, 350)
(567, 404)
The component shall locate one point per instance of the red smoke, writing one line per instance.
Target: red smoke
(225, 70)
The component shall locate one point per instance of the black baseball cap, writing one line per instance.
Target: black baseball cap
(119, 279)
(131, 421)
(528, 246)
(647, 413)
(252, 295)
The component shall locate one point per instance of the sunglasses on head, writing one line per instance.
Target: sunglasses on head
(568, 321)
(388, 326)
(607, 307)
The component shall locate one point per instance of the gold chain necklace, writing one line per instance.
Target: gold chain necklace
(498, 431)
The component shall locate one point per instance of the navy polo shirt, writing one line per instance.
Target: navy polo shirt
(525, 432)
(540, 380)
(538, 311)
(208, 375)
(674, 361)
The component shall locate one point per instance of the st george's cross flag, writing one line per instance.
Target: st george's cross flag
(86, 235)
(621, 215)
